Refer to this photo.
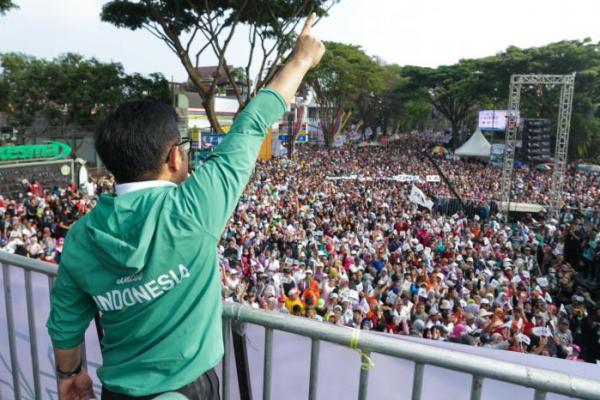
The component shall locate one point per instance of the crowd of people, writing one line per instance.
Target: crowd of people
(36, 222)
(357, 252)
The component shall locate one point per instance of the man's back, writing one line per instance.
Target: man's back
(146, 265)
(146, 259)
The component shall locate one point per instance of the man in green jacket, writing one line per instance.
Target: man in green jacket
(146, 258)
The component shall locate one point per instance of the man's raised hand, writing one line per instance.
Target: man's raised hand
(308, 48)
(307, 54)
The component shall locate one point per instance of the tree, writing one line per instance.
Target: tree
(381, 104)
(454, 90)
(565, 57)
(69, 95)
(191, 27)
(415, 109)
(6, 5)
(344, 75)
(400, 104)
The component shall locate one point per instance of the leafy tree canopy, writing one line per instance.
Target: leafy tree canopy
(191, 27)
(345, 74)
(6, 5)
(68, 93)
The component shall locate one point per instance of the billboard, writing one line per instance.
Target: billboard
(35, 152)
(14, 178)
(212, 140)
(492, 120)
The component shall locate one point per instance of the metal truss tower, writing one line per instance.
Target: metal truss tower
(567, 83)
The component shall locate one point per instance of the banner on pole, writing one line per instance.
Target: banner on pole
(418, 197)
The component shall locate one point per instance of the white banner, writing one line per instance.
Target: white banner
(418, 197)
(397, 178)
(433, 178)
(339, 140)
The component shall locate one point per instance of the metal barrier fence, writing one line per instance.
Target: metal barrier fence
(449, 206)
(480, 368)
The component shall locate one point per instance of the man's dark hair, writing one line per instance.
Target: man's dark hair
(134, 140)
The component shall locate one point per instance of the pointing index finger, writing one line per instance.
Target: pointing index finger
(308, 24)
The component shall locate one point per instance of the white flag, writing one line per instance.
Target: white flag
(418, 197)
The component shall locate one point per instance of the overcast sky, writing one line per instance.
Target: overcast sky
(417, 32)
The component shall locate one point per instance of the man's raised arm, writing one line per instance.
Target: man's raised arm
(213, 191)
(307, 54)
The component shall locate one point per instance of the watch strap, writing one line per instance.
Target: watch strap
(68, 374)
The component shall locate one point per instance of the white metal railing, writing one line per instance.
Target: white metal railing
(542, 381)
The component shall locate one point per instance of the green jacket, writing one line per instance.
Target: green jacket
(148, 261)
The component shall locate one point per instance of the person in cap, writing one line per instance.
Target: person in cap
(484, 303)
(434, 318)
(293, 303)
(357, 317)
(469, 321)
(445, 309)
(232, 279)
(563, 334)
(417, 328)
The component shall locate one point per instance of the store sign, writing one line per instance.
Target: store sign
(33, 152)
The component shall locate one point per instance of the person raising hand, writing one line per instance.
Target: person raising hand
(152, 247)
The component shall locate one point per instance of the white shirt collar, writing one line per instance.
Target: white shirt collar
(124, 188)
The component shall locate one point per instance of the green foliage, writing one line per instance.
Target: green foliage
(565, 57)
(346, 76)
(380, 105)
(69, 93)
(394, 97)
(458, 91)
(182, 16)
(189, 28)
(6, 5)
(454, 90)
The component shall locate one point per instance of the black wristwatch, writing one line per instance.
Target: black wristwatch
(69, 374)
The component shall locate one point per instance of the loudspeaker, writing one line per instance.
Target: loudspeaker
(537, 139)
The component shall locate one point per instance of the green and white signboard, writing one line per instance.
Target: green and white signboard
(35, 152)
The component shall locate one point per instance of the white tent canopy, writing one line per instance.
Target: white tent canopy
(476, 146)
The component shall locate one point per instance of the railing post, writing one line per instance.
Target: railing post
(10, 322)
(32, 335)
(476, 386)
(364, 377)
(417, 388)
(227, 350)
(315, 348)
(51, 280)
(267, 364)
(540, 380)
